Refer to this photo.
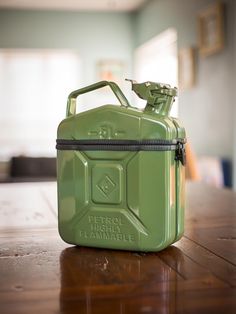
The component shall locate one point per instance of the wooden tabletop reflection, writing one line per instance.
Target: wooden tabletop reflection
(41, 274)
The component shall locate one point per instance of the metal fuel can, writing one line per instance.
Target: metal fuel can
(121, 171)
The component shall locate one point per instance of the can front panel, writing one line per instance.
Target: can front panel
(116, 199)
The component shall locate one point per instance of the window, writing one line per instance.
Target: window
(34, 85)
(157, 61)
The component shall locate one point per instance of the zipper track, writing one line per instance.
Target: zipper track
(119, 145)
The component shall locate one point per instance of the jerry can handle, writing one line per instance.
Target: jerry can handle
(71, 103)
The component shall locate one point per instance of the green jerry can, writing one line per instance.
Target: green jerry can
(120, 171)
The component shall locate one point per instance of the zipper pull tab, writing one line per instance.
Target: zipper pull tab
(180, 153)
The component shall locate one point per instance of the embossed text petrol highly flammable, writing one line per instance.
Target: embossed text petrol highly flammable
(107, 228)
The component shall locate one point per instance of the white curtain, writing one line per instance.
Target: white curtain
(34, 86)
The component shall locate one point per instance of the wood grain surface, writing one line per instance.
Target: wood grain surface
(39, 273)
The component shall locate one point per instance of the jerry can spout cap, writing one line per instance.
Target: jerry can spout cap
(160, 97)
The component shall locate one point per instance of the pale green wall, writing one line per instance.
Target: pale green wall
(207, 109)
(158, 15)
(95, 36)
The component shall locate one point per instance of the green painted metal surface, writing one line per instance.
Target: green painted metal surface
(122, 199)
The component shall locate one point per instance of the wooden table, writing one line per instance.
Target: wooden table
(41, 274)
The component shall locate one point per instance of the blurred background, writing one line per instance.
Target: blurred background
(49, 48)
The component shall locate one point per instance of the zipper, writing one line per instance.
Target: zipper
(120, 142)
(126, 145)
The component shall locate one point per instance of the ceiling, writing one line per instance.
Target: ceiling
(74, 5)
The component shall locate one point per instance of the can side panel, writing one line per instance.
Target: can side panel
(180, 186)
(150, 196)
(180, 201)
